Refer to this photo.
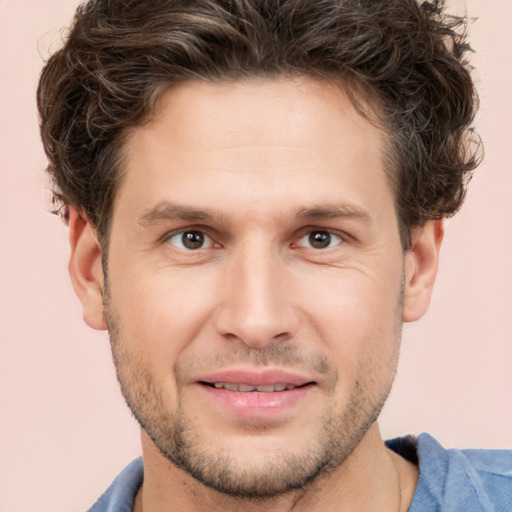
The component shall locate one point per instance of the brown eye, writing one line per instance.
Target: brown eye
(190, 240)
(320, 239)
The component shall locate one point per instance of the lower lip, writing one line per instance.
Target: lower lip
(255, 403)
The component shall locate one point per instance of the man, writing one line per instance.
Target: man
(255, 193)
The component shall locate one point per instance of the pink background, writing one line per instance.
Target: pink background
(65, 431)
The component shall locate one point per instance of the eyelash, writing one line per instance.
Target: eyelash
(169, 236)
(305, 233)
(331, 234)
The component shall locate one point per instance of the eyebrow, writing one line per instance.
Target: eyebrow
(346, 211)
(166, 211)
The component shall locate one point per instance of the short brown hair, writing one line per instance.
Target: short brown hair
(120, 56)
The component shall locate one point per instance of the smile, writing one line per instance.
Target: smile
(252, 394)
(246, 388)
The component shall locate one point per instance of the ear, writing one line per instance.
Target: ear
(85, 269)
(421, 263)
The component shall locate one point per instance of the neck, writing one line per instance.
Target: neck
(372, 478)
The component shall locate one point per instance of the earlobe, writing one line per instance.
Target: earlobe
(421, 263)
(85, 269)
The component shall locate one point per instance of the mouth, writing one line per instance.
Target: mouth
(256, 394)
(248, 388)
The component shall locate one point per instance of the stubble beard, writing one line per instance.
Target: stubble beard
(176, 436)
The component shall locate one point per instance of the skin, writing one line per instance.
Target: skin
(296, 159)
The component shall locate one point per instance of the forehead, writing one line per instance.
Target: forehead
(226, 144)
(260, 110)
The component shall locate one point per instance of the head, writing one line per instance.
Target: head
(264, 182)
(402, 65)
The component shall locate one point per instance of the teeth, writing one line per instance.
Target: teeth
(266, 389)
(245, 388)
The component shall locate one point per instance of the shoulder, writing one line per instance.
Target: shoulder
(119, 497)
(453, 480)
(489, 473)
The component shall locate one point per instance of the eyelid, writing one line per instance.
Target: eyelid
(200, 229)
(343, 237)
(207, 232)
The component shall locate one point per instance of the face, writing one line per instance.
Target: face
(255, 281)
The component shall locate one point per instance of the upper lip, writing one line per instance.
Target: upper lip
(264, 377)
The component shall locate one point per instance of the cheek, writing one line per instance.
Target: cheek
(359, 328)
(355, 316)
(161, 312)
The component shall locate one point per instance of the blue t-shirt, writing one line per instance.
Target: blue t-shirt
(449, 481)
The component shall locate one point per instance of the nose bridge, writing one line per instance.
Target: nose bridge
(256, 306)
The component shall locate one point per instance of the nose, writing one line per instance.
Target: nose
(256, 306)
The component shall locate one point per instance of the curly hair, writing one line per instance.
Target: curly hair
(404, 61)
